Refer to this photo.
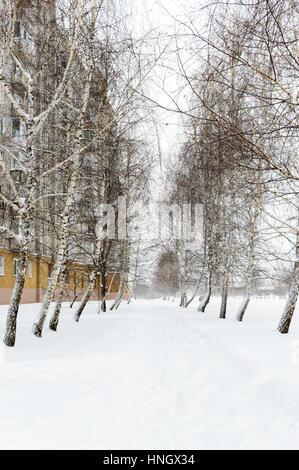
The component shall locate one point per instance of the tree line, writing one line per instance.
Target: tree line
(239, 158)
(70, 76)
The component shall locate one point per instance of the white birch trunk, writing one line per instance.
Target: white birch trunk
(121, 292)
(11, 322)
(206, 299)
(62, 246)
(53, 323)
(289, 308)
(184, 281)
(243, 306)
(224, 296)
(125, 255)
(252, 248)
(102, 305)
(225, 282)
(195, 291)
(87, 295)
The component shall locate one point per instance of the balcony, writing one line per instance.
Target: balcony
(19, 141)
(16, 82)
(18, 133)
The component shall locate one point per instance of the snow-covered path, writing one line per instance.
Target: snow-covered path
(152, 376)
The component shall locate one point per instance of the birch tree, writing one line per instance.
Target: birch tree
(75, 165)
(24, 201)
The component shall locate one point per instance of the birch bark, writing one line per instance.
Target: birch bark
(290, 305)
(252, 246)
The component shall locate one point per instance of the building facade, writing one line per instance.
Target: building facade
(35, 19)
(37, 278)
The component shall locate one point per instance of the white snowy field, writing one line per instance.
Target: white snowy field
(152, 376)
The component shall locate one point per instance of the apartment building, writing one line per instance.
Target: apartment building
(35, 20)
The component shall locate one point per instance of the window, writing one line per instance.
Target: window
(15, 161)
(30, 270)
(18, 99)
(16, 127)
(21, 32)
(1, 265)
(15, 266)
(15, 225)
(28, 39)
(32, 228)
(64, 112)
(88, 134)
(18, 161)
(61, 65)
(64, 62)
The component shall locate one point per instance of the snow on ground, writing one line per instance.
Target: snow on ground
(152, 376)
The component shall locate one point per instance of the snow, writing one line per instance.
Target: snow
(152, 376)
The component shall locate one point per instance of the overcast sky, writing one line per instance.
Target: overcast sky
(161, 17)
(165, 16)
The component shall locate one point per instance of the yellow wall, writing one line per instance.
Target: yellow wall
(40, 273)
